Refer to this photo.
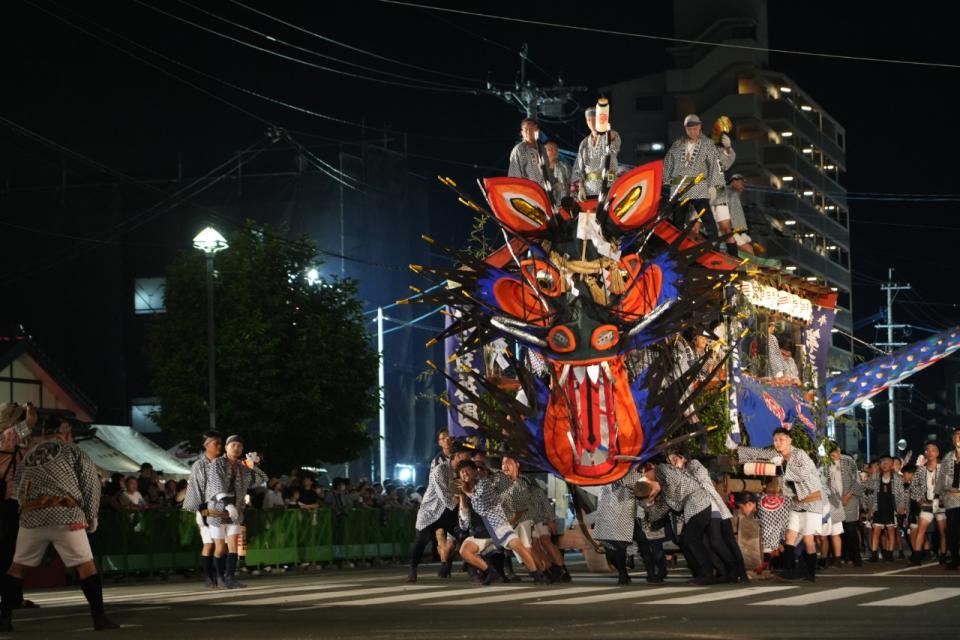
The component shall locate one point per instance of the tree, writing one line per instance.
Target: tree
(296, 372)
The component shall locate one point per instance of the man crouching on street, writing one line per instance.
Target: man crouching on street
(59, 495)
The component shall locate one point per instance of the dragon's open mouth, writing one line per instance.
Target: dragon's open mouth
(587, 425)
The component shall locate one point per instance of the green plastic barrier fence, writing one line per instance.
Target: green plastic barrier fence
(168, 540)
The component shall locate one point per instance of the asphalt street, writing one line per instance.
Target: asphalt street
(377, 603)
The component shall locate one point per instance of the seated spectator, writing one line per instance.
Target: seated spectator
(273, 499)
(131, 498)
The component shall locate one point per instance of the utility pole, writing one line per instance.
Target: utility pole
(532, 99)
(891, 288)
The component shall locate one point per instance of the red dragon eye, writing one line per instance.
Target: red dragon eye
(605, 337)
(561, 339)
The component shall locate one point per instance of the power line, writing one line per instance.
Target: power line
(352, 47)
(235, 87)
(307, 63)
(311, 51)
(628, 34)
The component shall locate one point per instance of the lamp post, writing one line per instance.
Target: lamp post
(867, 406)
(210, 242)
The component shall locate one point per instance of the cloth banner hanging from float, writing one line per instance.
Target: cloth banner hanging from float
(462, 414)
(764, 408)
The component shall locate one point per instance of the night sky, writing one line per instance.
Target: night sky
(96, 100)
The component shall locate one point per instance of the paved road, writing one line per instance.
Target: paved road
(373, 604)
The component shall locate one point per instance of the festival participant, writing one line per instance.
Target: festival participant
(722, 541)
(195, 502)
(591, 155)
(483, 500)
(891, 499)
(801, 482)
(437, 510)
(230, 477)
(847, 490)
(544, 519)
(59, 495)
(513, 493)
(923, 491)
(738, 219)
(559, 172)
(446, 542)
(526, 158)
(690, 156)
(683, 495)
(948, 488)
(16, 423)
(615, 525)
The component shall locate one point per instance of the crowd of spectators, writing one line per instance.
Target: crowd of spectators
(300, 490)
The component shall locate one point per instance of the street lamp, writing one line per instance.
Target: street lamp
(867, 406)
(210, 242)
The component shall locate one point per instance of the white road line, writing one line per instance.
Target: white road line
(328, 595)
(904, 570)
(714, 596)
(123, 626)
(916, 599)
(817, 597)
(532, 592)
(415, 596)
(233, 593)
(621, 594)
(220, 617)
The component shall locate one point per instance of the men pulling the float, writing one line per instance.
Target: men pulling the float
(616, 523)
(597, 154)
(59, 494)
(690, 156)
(438, 510)
(683, 495)
(801, 485)
(195, 501)
(948, 488)
(723, 542)
(484, 501)
(923, 492)
(230, 477)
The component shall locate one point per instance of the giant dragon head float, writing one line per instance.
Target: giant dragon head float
(588, 296)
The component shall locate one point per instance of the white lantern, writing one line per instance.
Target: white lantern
(784, 304)
(770, 298)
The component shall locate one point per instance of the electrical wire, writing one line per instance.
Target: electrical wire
(414, 321)
(311, 51)
(452, 89)
(724, 45)
(349, 46)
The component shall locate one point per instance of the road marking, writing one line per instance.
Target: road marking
(623, 594)
(532, 592)
(327, 595)
(714, 596)
(123, 626)
(916, 599)
(818, 597)
(233, 593)
(904, 570)
(220, 617)
(416, 596)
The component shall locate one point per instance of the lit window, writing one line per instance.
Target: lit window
(148, 296)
